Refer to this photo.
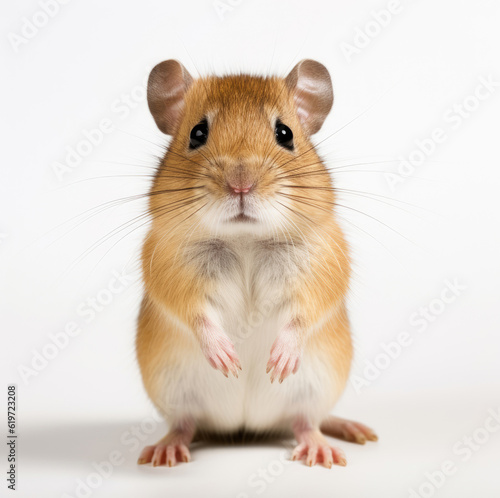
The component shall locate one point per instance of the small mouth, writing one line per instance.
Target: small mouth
(243, 218)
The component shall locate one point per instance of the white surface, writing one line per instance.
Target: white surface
(417, 436)
(91, 55)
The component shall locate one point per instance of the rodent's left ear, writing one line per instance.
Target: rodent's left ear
(167, 85)
(312, 87)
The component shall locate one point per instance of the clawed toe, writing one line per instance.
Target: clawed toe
(316, 450)
(170, 450)
(319, 454)
(358, 433)
(285, 357)
(349, 430)
(164, 454)
(220, 353)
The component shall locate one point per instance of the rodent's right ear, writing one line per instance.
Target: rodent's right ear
(312, 88)
(167, 86)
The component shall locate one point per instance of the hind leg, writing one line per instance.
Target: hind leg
(314, 447)
(348, 430)
(173, 448)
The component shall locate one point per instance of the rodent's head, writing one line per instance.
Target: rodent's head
(240, 158)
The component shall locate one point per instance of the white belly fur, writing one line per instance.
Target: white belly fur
(251, 316)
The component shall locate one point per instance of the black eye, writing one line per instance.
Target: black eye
(284, 135)
(198, 135)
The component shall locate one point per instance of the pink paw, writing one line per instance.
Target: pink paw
(285, 355)
(164, 454)
(319, 452)
(314, 447)
(219, 351)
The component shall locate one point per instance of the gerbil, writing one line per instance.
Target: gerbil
(243, 326)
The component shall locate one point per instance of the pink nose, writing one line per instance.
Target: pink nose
(240, 189)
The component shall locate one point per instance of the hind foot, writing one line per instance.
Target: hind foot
(348, 430)
(314, 447)
(170, 450)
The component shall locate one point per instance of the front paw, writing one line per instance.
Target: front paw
(219, 351)
(285, 355)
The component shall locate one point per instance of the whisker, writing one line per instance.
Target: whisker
(367, 195)
(304, 199)
(137, 228)
(162, 210)
(92, 212)
(313, 147)
(378, 221)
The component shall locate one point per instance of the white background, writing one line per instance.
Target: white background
(440, 223)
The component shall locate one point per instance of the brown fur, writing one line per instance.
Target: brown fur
(241, 145)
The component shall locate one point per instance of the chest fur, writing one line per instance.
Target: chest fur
(248, 270)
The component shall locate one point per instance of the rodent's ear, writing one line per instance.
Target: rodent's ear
(311, 84)
(167, 85)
